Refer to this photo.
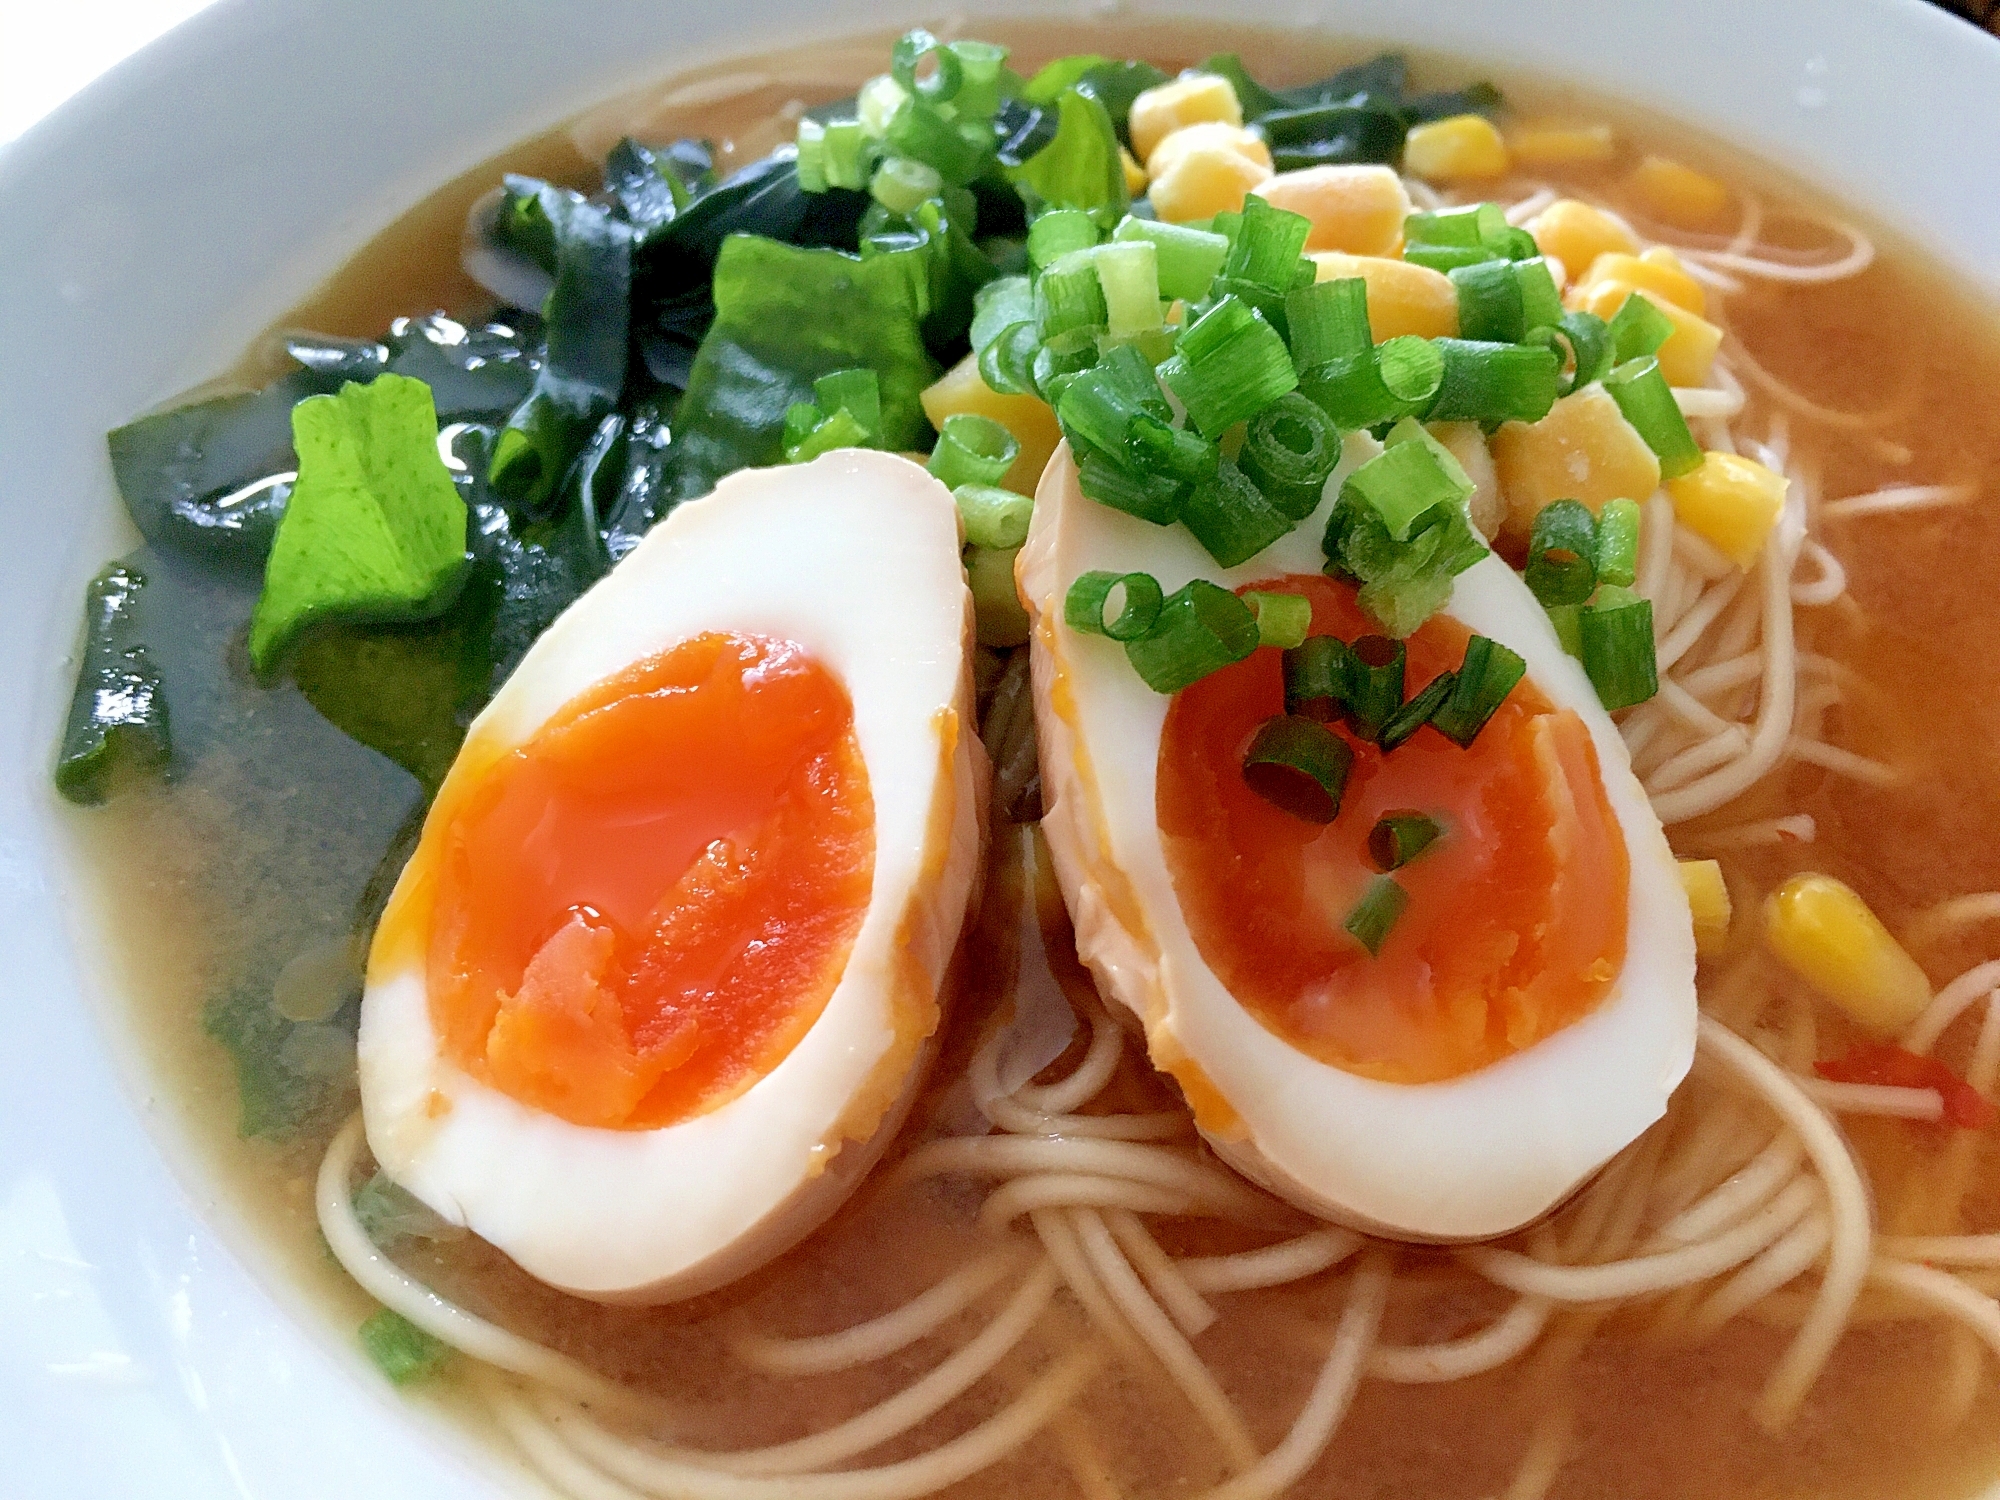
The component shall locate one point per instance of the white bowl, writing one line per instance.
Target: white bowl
(153, 226)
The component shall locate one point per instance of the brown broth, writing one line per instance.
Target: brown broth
(213, 881)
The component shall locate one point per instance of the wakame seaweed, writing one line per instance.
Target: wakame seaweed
(117, 724)
(1359, 114)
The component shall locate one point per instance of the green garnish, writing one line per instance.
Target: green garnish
(1316, 677)
(117, 722)
(1615, 641)
(1374, 683)
(1416, 713)
(1201, 628)
(1562, 554)
(972, 449)
(993, 517)
(1298, 765)
(1399, 837)
(401, 1350)
(1643, 395)
(375, 529)
(1282, 619)
(1139, 601)
(1376, 913)
(1485, 678)
(1187, 259)
(1637, 329)
(1618, 542)
(1289, 449)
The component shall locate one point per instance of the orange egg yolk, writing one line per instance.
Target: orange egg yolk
(638, 913)
(1515, 926)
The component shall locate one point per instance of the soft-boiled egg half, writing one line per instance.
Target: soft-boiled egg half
(1530, 1010)
(662, 976)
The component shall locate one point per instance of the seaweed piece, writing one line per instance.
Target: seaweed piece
(649, 188)
(117, 725)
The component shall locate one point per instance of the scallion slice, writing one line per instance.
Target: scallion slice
(1398, 378)
(1231, 517)
(1096, 413)
(1580, 339)
(848, 156)
(1188, 258)
(1153, 446)
(1643, 395)
(841, 430)
(1149, 496)
(1567, 620)
(1446, 258)
(1402, 484)
(920, 129)
(1057, 233)
(1299, 765)
(901, 183)
(1541, 300)
(1266, 246)
(907, 57)
(993, 517)
(1376, 913)
(1399, 837)
(1091, 595)
(1416, 713)
(1637, 329)
(1489, 302)
(1007, 363)
(1562, 553)
(1068, 296)
(1230, 365)
(1316, 677)
(1289, 449)
(1485, 678)
(1129, 275)
(858, 391)
(1446, 226)
(1282, 619)
(1058, 360)
(1489, 382)
(1201, 628)
(1328, 321)
(972, 449)
(811, 165)
(1616, 637)
(980, 64)
(1374, 686)
(1618, 542)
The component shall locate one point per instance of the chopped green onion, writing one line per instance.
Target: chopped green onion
(1374, 686)
(847, 155)
(1616, 638)
(996, 604)
(1541, 301)
(1058, 232)
(1068, 296)
(841, 430)
(942, 83)
(1403, 483)
(811, 165)
(1376, 912)
(919, 130)
(1485, 678)
(1447, 258)
(877, 103)
(1328, 321)
(1580, 340)
(972, 449)
(857, 391)
(1201, 628)
(998, 306)
(1446, 226)
(1398, 378)
(1289, 449)
(1562, 553)
(1637, 329)
(1267, 244)
(1154, 447)
(1059, 359)
(1188, 258)
(1399, 837)
(1488, 382)
(1150, 497)
(1230, 365)
(980, 65)
(1128, 273)
(1007, 363)
(400, 1349)
(1090, 596)
(1096, 414)
(1416, 713)
(1489, 302)
(1568, 622)
(1282, 619)
(993, 517)
(1618, 542)
(900, 184)
(1231, 517)
(1643, 395)
(1299, 766)
(1316, 677)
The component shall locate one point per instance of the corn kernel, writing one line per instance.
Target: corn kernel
(961, 389)
(1584, 449)
(1689, 351)
(1554, 143)
(1403, 297)
(1203, 170)
(1677, 194)
(1358, 209)
(1464, 146)
(1576, 234)
(1188, 100)
(1657, 273)
(1708, 903)
(1826, 935)
(1731, 501)
(1135, 175)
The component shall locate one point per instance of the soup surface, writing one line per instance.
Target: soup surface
(252, 871)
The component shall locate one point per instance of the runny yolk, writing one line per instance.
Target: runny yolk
(641, 910)
(1515, 926)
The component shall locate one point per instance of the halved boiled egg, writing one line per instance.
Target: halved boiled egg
(661, 977)
(1531, 1008)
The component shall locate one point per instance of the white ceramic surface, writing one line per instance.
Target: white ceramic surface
(156, 223)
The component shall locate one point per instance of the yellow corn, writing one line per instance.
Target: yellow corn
(1403, 297)
(1708, 902)
(1190, 99)
(1576, 234)
(1730, 501)
(1554, 143)
(1678, 194)
(1657, 273)
(1358, 209)
(1463, 146)
(1135, 175)
(1584, 449)
(1689, 351)
(1826, 935)
(1203, 170)
(961, 389)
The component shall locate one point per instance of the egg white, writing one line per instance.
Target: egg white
(855, 557)
(1465, 1158)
